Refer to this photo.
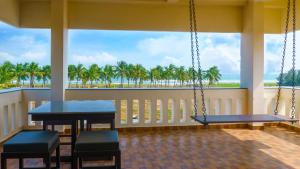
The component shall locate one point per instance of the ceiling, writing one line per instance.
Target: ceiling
(269, 3)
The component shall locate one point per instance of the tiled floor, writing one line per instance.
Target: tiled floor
(272, 148)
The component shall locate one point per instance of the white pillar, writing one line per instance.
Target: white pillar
(59, 39)
(252, 56)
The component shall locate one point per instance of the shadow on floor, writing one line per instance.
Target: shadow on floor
(193, 149)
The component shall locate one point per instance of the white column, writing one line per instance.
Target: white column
(252, 56)
(59, 39)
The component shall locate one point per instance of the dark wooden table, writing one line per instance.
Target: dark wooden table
(66, 112)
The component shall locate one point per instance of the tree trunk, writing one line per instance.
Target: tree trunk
(31, 81)
(122, 81)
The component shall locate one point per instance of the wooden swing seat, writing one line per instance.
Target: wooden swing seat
(211, 119)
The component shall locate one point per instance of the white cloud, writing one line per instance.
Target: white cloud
(169, 45)
(171, 60)
(175, 49)
(273, 53)
(34, 55)
(97, 58)
(4, 56)
(30, 56)
(25, 48)
(25, 40)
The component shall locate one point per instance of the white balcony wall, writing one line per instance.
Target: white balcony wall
(138, 107)
(12, 117)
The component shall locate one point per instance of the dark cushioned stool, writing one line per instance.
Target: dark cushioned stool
(93, 144)
(32, 144)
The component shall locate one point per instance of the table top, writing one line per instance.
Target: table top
(75, 107)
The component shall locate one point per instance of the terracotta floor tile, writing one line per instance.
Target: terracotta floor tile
(272, 148)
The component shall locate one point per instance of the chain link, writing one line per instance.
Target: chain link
(194, 36)
(283, 57)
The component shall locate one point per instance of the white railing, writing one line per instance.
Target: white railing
(11, 114)
(284, 102)
(152, 107)
(137, 107)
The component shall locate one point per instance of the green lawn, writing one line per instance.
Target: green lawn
(224, 85)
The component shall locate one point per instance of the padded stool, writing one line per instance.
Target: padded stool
(31, 144)
(93, 144)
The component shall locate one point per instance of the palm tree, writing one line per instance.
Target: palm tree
(45, 74)
(121, 69)
(24, 75)
(142, 76)
(84, 77)
(79, 70)
(181, 75)
(158, 74)
(33, 70)
(109, 73)
(190, 75)
(129, 73)
(213, 75)
(139, 74)
(19, 72)
(93, 73)
(168, 74)
(172, 69)
(6, 72)
(71, 73)
(151, 76)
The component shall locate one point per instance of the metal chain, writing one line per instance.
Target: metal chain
(194, 36)
(193, 59)
(194, 31)
(283, 57)
(294, 62)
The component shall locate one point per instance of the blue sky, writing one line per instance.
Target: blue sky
(146, 48)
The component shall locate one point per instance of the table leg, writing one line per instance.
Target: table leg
(112, 124)
(74, 136)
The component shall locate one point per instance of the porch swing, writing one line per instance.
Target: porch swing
(197, 80)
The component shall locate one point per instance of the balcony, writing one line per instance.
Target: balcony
(156, 130)
(156, 127)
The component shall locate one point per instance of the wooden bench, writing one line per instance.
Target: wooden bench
(31, 144)
(93, 144)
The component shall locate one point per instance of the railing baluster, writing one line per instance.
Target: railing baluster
(184, 110)
(1, 121)
(212, 108)
(189, 111)
(223, 103)
(5, 120)
(164, 111)
(13, 116)
(141, 112)
(129, 112)
(176, 111)
(153, 111)
(234, 107)
(118, 113)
